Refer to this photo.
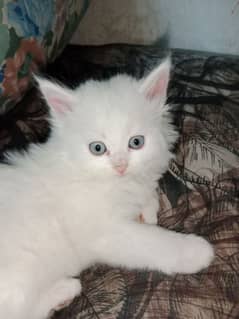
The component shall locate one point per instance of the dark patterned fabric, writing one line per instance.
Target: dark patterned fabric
(24, 124)
(199, 194)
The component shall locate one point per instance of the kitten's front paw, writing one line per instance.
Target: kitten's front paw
(59, 296)
(196, 254)
(147, 219)
(150, 214)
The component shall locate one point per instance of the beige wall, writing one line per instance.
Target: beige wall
(111, 21)
(207, 25)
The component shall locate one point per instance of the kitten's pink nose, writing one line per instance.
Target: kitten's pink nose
(121, 169)
(120, 166)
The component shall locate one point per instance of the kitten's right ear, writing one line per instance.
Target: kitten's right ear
(155, 84)
(59, 98)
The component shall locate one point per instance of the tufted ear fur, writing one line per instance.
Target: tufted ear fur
(59, 98)
(155, 85)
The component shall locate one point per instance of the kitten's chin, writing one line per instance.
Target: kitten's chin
(121, 174)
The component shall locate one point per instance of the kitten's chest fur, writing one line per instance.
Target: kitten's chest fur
(106, 199)
(52, 216)
(79, 206)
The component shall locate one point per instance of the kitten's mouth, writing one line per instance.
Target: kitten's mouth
(121, 169)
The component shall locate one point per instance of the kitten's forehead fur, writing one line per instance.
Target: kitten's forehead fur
(113, 108)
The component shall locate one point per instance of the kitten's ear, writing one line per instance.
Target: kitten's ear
(59, 98)
(155, 85)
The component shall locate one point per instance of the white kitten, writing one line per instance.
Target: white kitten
(75, 201)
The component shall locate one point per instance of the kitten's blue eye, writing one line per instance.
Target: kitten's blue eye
(97, 148)
(136, 142)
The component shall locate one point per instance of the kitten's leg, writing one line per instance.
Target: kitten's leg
(146, 246)
(149, 213)
(16, 294)
(58, 296)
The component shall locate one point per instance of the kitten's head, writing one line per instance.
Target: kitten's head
(115, 128)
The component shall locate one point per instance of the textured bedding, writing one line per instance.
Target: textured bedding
(199, 193)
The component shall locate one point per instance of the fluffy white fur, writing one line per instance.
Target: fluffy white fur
(63, 208)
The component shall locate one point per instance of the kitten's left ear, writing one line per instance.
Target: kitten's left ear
(155, 85)
(59, 98)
